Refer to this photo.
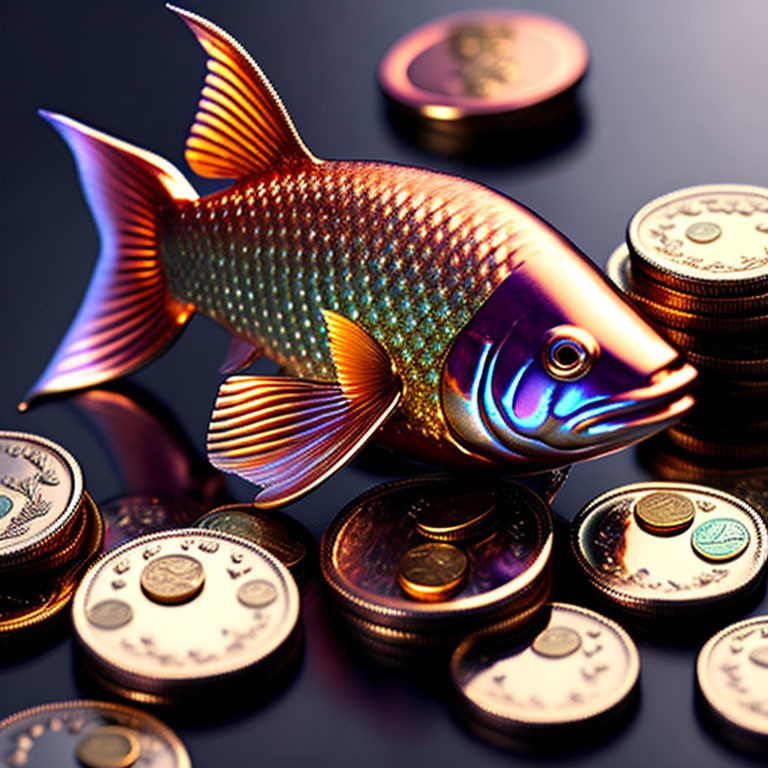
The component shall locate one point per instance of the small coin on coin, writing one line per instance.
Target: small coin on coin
(257, 593)
(557, 642)
(720, 539)
(111, 746)
(432, 571)
(172, 578)
(664, 512)
(110, 614)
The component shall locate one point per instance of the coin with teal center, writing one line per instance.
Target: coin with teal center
(721, 538)
(6, 505)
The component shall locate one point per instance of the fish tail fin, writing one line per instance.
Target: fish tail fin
(241, 127)
(128, 316)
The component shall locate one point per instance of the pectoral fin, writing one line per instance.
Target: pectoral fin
(240, 355)
(288, 435)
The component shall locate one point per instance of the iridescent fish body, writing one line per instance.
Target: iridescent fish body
(428, 309)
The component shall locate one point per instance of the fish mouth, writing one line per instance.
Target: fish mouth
(643, 411)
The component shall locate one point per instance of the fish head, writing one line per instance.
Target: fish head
(556, 366)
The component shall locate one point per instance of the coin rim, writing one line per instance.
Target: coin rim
(173, 741)
(496, 717)
(659, 606)
(393, 68)
(704, 684)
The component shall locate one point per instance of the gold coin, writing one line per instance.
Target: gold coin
(664, 512)
(663, 576)
(453, 518)
(100, 734)
(707, 240)
(732, 682)
(432, 571)
(176, 651)
(557, 642)
(41, 488)
(510, 685)
(173, 578)
(110, 746)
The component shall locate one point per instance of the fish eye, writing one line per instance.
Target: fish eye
(568, 352)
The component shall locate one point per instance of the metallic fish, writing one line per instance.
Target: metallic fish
(445, 318)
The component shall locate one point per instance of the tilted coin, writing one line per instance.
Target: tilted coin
(664, 512)
(172, 578)
(483, 63)
(647, 574)
(452, 519)
(94, 734)
(566, 668)
(111, 746)
(167, 652)
(364, 545)
(732, 676)
(278, 533)
(433, 571)
(41, 490)
(709, 239)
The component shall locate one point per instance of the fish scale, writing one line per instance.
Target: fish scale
(398, 251)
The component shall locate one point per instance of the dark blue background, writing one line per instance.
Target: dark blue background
(676, 94)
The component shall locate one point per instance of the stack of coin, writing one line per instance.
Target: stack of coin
(179, 615)
(92, 734)
(282, 536)
(418, 564)
(50, 530)
(732, 682)
(569, 670)
(696, 264)
(662, 551)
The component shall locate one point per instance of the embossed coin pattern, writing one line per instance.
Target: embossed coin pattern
(483, 63)
(173, 578)
(432, 571)
(42, 488)
(239, 622)
(709, 238)
(692, 570)
(665, 512)
(732, 675)
(95, 733)
(580, 666)
(720, 539)
(111, 746)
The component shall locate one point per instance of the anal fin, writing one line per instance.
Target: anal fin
(288, 435)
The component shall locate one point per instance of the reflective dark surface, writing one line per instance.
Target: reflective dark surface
(675, 96)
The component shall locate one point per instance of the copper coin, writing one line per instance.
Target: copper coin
(732, 675)
(710, 240)
(647, 574)
(172, 651)
(483, 63)
(578, 666)
(433, 571)
(99, 734)
(362, 549)
(453, 519)
(41, 488)
(664, 512)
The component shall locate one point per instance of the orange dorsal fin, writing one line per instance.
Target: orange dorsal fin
(241, 127)
(288, 435)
